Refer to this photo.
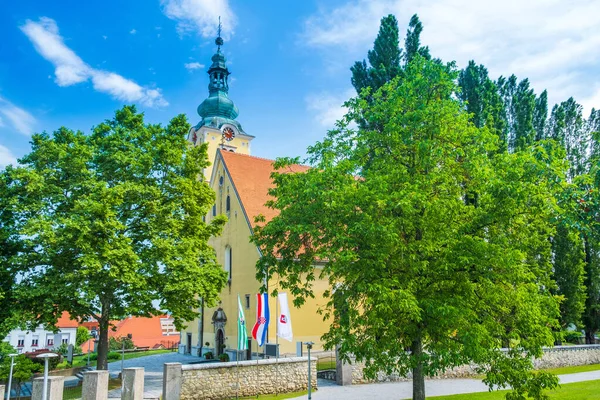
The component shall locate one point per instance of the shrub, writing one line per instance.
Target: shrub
(208, 355)
(117, 343)
(224, 357)
(52, 362)
(113, 355)
(572, 336)
(94, 356)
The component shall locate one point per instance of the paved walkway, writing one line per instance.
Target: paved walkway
(403, 390)
(153, 371)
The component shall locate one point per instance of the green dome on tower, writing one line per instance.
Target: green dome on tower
(218, 109)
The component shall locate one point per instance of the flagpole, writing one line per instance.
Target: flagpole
(277, 345)
(257, 374)
(237, 353)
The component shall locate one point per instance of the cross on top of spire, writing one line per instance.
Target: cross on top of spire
(219, 39)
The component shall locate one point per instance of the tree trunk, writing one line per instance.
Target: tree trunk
(102, 363)
(418, 377)
(589, 337)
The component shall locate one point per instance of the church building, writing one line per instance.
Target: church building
(241, 182)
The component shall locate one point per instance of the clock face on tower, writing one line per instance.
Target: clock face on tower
(228, 134)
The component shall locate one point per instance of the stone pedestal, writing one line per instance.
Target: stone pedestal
(56, 385)
(2, 391)
(343, 371)
(95, 385)
(172, 381)
(133, 384)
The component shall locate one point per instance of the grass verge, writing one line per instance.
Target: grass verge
(574, 369)
(588, 390)
(279, 396)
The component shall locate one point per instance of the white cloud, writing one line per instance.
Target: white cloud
(201, 16)
(6, 157)
(70, 69)
(553, 43)
(193, 65)
(327, 107)
(20, 120)
(133, 31)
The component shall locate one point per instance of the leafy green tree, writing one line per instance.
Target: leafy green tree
(10, 246)
(23, 371)
(82, 336)
(5, 350)
(116, 221)
(434, 240)
(117, 343)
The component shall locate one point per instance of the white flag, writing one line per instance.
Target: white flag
(284, 322)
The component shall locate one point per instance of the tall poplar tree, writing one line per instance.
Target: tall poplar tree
(384, 59)
(387, 58)
(481, 98)
(115, 222)
(432, 239)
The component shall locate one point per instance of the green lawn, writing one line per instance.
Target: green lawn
(574, 370)
(589, 390)
(323, 365)
(73, 393)
(81, 361)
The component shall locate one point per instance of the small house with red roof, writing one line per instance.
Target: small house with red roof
(41, 338)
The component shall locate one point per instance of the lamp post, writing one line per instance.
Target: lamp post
(89, 344)
(308, 346)
(46, 356)
(12, 363)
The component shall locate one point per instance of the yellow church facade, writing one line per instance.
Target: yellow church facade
(241, 183)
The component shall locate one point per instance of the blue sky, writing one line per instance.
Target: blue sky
(73, 63)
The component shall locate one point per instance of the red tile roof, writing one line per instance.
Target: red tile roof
(65, 321)
(251, 177)
(146, 332)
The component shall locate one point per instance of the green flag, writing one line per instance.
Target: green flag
(242, 334)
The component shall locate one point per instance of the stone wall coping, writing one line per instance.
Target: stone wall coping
(246, 363)
(575, 347)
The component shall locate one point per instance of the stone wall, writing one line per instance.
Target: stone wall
(554, 357)
(214, 381)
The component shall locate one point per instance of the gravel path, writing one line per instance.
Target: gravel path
(403, 390)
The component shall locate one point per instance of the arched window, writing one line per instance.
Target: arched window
(228, 263)
(228, 204)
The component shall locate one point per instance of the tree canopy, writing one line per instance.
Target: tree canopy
(114, 224)
(434, 240)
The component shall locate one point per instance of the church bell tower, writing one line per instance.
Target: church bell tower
(218, 126)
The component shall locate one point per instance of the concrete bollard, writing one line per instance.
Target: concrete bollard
(95, 385)
(171, 381)
(133, 384)
(2, 389)
(56, 385)
(343, 371)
